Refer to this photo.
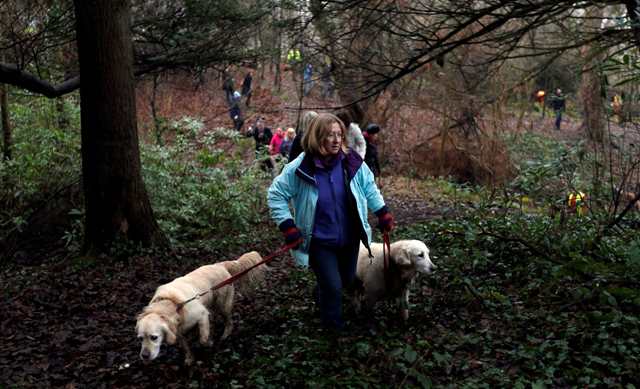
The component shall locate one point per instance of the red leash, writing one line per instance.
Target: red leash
(386, 253)
(234, 277)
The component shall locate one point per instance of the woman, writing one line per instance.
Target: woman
(276, 141)
(331, 189)
(285, 146)
(296, 146)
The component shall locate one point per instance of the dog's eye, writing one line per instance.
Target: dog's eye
(153, 337)
(421, 255)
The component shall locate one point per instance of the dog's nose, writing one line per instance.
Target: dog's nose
(145, 354)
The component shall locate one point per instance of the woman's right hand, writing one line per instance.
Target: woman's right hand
(293, 235)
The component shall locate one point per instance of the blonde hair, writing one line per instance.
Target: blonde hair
(291, 133)
(306, 120)
(318, 131)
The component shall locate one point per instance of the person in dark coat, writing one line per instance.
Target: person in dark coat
(371, 153)
(262, 136)
(558, 105)
(296, 146)
(246, 87)
(236, 113)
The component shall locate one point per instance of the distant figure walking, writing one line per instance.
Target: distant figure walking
(371, 155)
(246, 88)
(540, 99)
(293, 59)
(262, 135)
(235, 112)
(558, 105)
(227, 87)
(307, 79)
(285, 146)
(327, 82)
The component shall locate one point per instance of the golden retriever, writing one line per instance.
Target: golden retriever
(163, 321)
(408, 258)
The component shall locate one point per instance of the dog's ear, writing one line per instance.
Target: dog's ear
(169, 336)
(401, 257)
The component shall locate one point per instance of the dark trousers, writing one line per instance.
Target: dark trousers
(335, 269)
(558, 118)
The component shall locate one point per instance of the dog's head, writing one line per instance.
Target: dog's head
(153, 329)
(412, 253)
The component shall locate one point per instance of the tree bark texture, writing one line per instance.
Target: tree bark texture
(116, 201)
(7, 138)
(591, 85)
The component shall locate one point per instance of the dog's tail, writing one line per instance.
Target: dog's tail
(253, 278)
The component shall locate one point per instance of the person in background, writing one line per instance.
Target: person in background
(327, 82)
(227, 87)
(296, 146)
(540, 99)
(235, 112)
(276, 141)
(355, 139)
(262, 136)
(246, 87)
(274, 145)
(616, 107)
(307, 78)
(371, 153)
(294, 58)
(331, 190)
(558, 105)
(285, 146)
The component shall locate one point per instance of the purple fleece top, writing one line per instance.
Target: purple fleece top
(331, 224)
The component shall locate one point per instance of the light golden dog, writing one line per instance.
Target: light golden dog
(407, 259)
(163, 321)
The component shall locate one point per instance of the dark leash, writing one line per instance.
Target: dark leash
(234, 277)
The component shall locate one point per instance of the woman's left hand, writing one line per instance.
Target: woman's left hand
(386, 222)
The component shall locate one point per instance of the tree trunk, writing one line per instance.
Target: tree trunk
(591, 85)
(116, 201)
(278, 54)
(154, 111)
(6, 124)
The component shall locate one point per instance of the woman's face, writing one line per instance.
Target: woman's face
(333, 141)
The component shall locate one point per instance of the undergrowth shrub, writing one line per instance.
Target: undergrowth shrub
(45, 160)
(535, 303)
(200, 186)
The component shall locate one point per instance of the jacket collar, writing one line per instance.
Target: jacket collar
(307, 169)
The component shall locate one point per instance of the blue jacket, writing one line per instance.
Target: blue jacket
(297, 183)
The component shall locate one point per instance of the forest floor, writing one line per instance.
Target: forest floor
(69, 322)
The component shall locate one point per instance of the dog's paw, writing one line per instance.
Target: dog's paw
(208, 343)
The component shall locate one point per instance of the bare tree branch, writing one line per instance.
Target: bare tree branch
(12, 75)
